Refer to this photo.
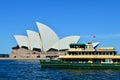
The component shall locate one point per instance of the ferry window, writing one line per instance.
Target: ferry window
(92, 53)
(96, 53)
(99, 53)
(72, 53)
(79, 53)
(114, 60)
(114, 53)
(69, 53)
(90, 46)
(118, 60)
(89, 53)
(110, 53)
(103, 53)
(107, 53)
(103, 60)
(82, 53)
(75, 53)
(108, 60)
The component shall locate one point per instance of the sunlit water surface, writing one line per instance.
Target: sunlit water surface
(31, 70)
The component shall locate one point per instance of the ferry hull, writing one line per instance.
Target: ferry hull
(56, 64)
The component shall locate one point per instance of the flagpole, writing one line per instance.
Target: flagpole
(91, 40)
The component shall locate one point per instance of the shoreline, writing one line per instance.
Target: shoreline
(22, 58)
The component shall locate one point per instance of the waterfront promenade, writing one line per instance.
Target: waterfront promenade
(22, 58)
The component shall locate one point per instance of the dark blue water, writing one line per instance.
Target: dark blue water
(31, 70)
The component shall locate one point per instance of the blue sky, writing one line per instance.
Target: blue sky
(66, 17)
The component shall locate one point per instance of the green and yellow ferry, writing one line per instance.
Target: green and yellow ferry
(85, 56)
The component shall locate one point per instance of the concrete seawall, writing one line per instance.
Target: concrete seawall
(23, 58)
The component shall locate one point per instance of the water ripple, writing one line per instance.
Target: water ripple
(31, 70)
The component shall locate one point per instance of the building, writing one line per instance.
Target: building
(44, 43)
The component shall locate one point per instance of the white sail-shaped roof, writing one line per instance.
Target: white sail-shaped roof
(34, 39)
(48, 36)
(45, 40)
(95, 44)
(22, 40)
(65, 42)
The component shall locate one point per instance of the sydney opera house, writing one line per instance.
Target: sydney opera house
(42, 44)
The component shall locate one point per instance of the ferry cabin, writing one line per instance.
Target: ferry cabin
(86, 53)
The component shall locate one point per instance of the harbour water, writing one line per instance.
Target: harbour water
(31, 70)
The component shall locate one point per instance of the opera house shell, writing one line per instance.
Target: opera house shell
(46, 40)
